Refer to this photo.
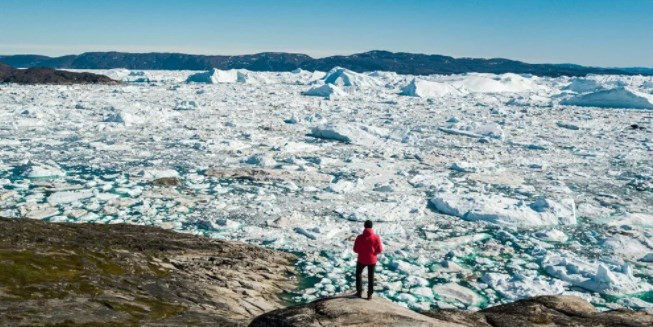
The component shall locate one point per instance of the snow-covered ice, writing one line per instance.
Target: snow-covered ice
(484, 188)
(620, 97)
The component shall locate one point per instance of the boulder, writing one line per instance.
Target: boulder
(532, 312)
(347, 311)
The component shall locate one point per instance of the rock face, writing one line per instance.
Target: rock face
(49, 76)
(126, 275)
(347, 311)
(538, 311)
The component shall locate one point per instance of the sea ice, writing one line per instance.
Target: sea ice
(327, 91)
(256, 161)
(594, 276)
(346, 133)
(346, 78)
(452, 292)
(427, 89)
(620, 97)
(214, 76)
(33, 170)
(502, 210)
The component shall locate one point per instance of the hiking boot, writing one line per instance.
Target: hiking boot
(359, 295)
(369, 296)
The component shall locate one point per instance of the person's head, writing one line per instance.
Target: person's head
(368, 224)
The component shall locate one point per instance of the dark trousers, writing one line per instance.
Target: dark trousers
(370, 278)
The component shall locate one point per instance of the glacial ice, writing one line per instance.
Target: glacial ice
(506, 83)
(594, 276)
(495, 193)
(214, 76)
(32, 170)
(346, 78)
(453, 292)
(620, 97)
(583, 85)
(327, 91)
(426, 89)
(502, 210)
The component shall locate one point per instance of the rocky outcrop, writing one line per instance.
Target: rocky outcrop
(126, 275)
(50, 76)
(538, 311)
(347, 311)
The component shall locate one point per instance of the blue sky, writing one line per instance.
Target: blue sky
(590, 32)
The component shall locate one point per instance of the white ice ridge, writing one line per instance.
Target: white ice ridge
(620, 97)
(506, 83)
(506, 211)
(215, 76)
(327, 91)
(583, 85)
(349, 133)
(427, 89)
(594, 276)
(36, 170)
(346, 78)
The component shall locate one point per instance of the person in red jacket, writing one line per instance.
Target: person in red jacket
(368, 246)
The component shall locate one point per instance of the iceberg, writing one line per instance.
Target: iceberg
(500, 210)
(620, 97)
(505, 83)
(583, 85)
(593, 276)
(36, 171)
(215, 76)
(327, 91)
(426, 89)
(346, 78)
(345, 133)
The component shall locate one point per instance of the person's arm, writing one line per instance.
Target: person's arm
(357, 244)
(379, 245)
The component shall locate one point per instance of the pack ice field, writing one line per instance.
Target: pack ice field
(484, 188)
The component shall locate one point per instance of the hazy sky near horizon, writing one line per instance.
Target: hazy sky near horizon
(589, 32)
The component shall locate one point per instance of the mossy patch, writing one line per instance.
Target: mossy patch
(58, 273)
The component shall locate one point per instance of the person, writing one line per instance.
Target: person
(367, 246)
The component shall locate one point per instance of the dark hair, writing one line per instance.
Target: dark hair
(368, 224)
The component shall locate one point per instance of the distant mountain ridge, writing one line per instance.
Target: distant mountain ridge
(399, 62)
(44, 75)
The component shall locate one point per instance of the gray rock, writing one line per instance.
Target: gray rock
(539, 311)
(347, 311)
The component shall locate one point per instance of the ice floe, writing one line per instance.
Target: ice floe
(502, 210)
(426, 89)
(621, 97)
(326, 91)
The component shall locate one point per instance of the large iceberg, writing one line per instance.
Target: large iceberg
(426, 89)
(327, 91)
(347, 133)
(346, 78)
(583, 85)
(215, 76)
(593, 276)
(505, 83)
(500, 210)
(620, 97)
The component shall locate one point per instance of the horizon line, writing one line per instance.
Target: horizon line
(317, 57)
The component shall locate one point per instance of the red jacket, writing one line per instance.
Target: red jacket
(368, 246)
